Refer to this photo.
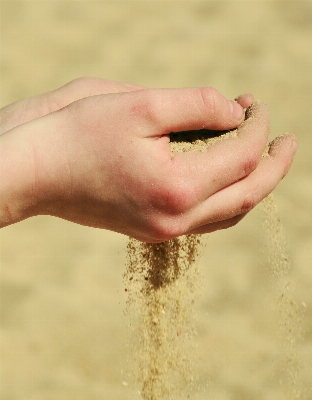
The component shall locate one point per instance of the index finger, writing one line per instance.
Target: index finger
(158, 112)
(226, 161)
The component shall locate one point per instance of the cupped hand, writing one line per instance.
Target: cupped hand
(104, 160)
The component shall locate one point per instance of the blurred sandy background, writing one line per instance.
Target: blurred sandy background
(63, 333)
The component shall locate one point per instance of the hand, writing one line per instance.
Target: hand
(34, 107)
(104, 160)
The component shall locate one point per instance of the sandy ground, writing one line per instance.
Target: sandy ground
(63, 332)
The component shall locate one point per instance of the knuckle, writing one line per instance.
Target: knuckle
(249, 202)
(175, 199)
(170, 204)
(249, 165)
(145, 105)
(207, 99)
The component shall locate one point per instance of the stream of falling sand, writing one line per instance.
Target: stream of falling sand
(162, 280)
(288, 312)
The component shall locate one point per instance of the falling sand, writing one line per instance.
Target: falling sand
(288, 312)
(162, 281)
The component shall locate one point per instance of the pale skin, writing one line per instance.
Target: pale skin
(97, 153)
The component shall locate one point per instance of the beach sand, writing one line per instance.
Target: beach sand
(64, 334)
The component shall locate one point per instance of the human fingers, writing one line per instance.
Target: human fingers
(162, 111)
(216, 226)
(245, 100)
(37, 106)
(227, 161)
(242, 196)
(203, 229)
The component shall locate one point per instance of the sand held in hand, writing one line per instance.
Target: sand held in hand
(161, 281)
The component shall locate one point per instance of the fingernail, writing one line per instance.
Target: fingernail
(237, 110)
(294, 140)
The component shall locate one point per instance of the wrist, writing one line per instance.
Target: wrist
(31, 169)
(17, 197)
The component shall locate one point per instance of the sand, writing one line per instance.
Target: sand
(289, 313)
(161, 281)
(63, 331)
